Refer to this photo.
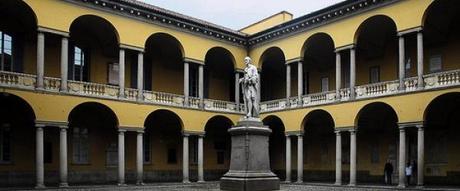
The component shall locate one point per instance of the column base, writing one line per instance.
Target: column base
(338, 183)
(420, 186)
(40, 186)
(186, 181)
(299, 182)
(63, 185)
(352, 184)
(201, 181)
(401, 186)
(140, 183)
(121, 184)
(287, 181)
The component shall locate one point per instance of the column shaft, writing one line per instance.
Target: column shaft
(201, 84)
(299, 81)
(185, 164)
(299, 158)
(200, 159)
(64, 62)
(186, 83)
(288, 81)
(63, 157)
(402, 157)
(139, 158)
(402, 57)
(352, 72)
(288, 159)
(121, 157)
(40, 59)
(338, 74)
(420, 59)
(140, 76)
(338, 158)
(420, 155)
(39, 163)
(237, 88)
(121, 73)
(352, 157)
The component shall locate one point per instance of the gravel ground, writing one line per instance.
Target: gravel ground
(214, 186)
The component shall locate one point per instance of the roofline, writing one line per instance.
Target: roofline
(265, 19)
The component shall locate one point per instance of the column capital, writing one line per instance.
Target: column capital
(293, 133)
(193, 60)
(43, 123)
(130, 47)
(353, 131)
(346, 47)
(410, 124)
(411, 30)
(121, 131)
(53, 31)
(294, 60)
(337, 132)
(192, 133)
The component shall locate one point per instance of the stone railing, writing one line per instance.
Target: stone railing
(217, 105)
(164, 98)
(344, 94)
(131, 94)
(377, 89)
(273, 105)
(194, 102)
(442, 79)
(319, 98)
(17, 80)
(93, 89)
(411, 84)
(52, 84)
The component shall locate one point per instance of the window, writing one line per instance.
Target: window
(435, 63)
(219, 146)
(5, 143)
(80, 145)
(172, 156)
(374, 74)
(113, 73)
(6, 52)
(80, 67)
(147, 149)
(324, 84)
(112, 155)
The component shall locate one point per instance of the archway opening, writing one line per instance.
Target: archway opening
(163, 64)
(219, 75)
(376, 51)
(442, 117)
(217, 147)
(17, 140)
(163, 147)
(319, 147)
(92, 143)
(319, 64)
(93, 50)
(277, 145)
(378, 140)
(273, 67)
(17, 36)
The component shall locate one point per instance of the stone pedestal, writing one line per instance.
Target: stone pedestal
(250, 162)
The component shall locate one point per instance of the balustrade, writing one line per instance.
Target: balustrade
(442, 79)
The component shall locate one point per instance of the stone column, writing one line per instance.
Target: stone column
(186, 83)
(139, 158)
(200, 159)
(402, 57)
(140, 75)
(39, 163)
(338, 74)
(420, 59)
(40, 59)
(402, 157)
(299, 158)
(237, 89)
(353, 157)
(299, 81)
(185, 164)
(121, 157)
(338, 158)
(63, 157)
(64, 62)
(288, 82)
(201, 84)
(352, 72)
(288, 159)
(121, 73)
(420, 155)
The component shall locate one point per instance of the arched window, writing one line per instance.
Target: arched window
(80, 143)
(6, 52)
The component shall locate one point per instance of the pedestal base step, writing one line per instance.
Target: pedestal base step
(249, 184)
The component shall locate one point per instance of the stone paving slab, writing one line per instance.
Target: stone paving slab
(214, 186)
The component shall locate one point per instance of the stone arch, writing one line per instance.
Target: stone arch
(277, 141)
(219, 71)
(272, 63)
(217, 147)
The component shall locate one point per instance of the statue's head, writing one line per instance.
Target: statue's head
(247, 60)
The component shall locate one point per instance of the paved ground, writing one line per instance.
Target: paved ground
(214, 186)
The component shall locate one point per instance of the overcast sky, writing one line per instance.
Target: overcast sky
(236, 14)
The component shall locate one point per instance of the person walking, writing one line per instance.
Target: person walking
(388, 172)
(408, 173)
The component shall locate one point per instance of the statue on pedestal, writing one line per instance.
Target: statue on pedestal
(250, 88)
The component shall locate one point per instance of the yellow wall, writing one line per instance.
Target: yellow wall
(268, 22)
